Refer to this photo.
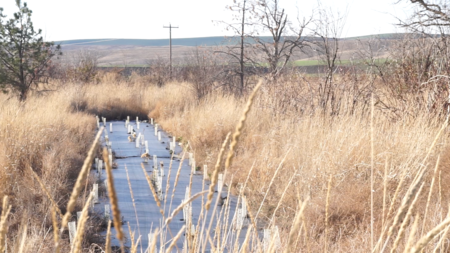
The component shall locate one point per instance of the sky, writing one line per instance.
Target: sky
(144, 19)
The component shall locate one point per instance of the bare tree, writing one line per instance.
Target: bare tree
(430, 14)
(285, 37)
(328, 30)
(237, 45)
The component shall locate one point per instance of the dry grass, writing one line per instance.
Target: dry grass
(52, 134)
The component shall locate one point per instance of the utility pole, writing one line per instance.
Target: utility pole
(170, 41)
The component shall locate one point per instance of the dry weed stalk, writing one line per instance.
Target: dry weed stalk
(132, 199)
(152, 188)
(372, 167)
(430, 192)
(178, 209)
(280, 165)
(327, 206)
(240, 126)
(55, 229)
(406, 220)
(113, 200)
(412, 235)
(153, 245)
(430, 235)
(23, 239)
(55, 206)
(215, 173)
(76, 246)
(6, 209)
(80, 180)
(402, 211)
(282, 197)
(108, 238)
(175, 239)
(177, 176)
(296, 226)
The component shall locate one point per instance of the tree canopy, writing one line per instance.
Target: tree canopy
(25, 57)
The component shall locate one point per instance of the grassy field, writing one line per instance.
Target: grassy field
(319, 178)
(339, 63)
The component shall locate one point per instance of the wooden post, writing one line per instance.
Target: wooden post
(107, 212)
(266, 240)
(100, 165)
(95, 190)
(159, 136)
(205, 172)
(191, 156)
(193, 167)
(239, 219)
(137, 119)
(185, 208)
(93, 197)
(146, 147)
(110, 127)
(161, 172)
(277, 238)
(104, 121)
(159, 186)
(156, 129)
(151, 121)
(129, 129)
(72, 231)
(244, 207)
(155, 162)
(220, 183)
(142, 139)
(150, 241)
(137, 125)
(138, 140)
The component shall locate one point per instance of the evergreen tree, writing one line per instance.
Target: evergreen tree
(24, 56)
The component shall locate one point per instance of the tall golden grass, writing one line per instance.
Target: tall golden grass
(51, 133)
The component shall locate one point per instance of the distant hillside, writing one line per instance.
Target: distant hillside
(189, 42)
(138, 52)
(192, 42)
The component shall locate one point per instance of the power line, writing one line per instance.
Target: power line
(170, 41)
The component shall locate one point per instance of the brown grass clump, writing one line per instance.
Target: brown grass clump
(282, 164)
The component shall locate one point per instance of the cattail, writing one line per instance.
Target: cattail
(113, 200)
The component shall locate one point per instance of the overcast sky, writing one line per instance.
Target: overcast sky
(144, 19)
